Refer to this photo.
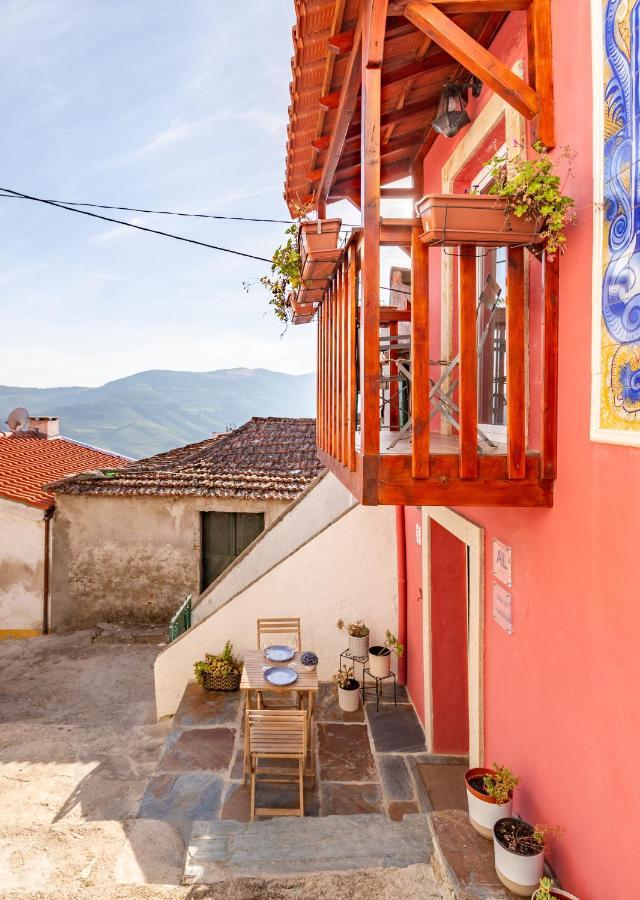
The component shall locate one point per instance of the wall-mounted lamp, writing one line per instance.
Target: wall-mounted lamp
(452, 109)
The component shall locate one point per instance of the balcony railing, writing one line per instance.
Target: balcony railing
(399, 424)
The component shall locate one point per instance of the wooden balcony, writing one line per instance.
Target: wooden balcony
(360, 438)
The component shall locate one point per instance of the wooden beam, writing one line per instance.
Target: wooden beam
(420, 405)
(550, 369)
(352, 300)
(473, 56)
(467, 335)
(516, 362)
(341, 43)
(541, 75)
(453, 7)
(396, 193)
(375, 26)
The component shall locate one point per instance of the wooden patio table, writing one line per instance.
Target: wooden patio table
(253, 680)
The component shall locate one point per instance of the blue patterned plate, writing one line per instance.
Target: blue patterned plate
(279, 653)
(280, 675)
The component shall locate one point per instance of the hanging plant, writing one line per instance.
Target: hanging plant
(286, 269)
(535, 192)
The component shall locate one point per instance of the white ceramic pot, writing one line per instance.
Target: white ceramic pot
(359, 646)
(380, 662)
(521, 874)
(484, 812)
(349, 699)
(308, 668)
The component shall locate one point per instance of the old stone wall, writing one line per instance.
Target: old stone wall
(21, 569)
(130, 558)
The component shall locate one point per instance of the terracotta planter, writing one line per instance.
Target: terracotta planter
(320, 234)
(302, 312)
(480, 219)
(349, 698)
(484, 812)
(519, 873)
(358, 646)
(379, 661)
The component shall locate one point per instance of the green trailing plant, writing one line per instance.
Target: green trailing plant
(343, 676)
(534, 191)
(355, 629)
(286, 268)
(544, 890)
(500, 784)
(392, 642)
(220, 664)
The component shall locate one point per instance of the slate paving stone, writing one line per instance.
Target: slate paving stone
(350, 799)
(344, 753)
(395, 729)
(395, 778)
(198, 749)
(236, 803)
(204, 708)
(444, 785)
(387, 692)
(328, 709)
(182, 799)
(398, 810)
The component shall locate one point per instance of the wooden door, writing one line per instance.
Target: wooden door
(224, 536)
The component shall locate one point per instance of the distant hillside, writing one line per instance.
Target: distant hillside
(153, 411)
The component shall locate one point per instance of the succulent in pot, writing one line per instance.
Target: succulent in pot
(358, 637)
(546, 891)
(489, 796)
(308, 660)
(519, 853)
(219, 672)
(380, 656)
(348, 689)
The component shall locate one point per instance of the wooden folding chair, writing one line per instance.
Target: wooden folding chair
(285, 628)
(276, 734)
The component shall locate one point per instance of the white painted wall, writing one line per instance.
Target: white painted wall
(21, 567)
(321, 503)
(348, 571)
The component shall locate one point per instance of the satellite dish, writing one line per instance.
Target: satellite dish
(18, 419)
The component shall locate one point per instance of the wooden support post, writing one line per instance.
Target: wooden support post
(541, 69)
(318, 379)
(394, 386)
(330, 385)
(352, 293)
(339, 355)
(467, 331)
(345, 359)
(516, 449)
(550, 368)
(420, 404)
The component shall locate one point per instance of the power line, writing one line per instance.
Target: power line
(176, 237)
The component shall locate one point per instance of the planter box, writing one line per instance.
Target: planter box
(480, 219)
(319, 266)
(321, 234)
(302, 312)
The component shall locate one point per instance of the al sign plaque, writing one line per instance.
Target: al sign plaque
(502, 562)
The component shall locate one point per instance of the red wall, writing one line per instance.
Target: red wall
(561, 692)
(415, 650)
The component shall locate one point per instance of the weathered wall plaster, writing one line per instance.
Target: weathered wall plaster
(21, 568)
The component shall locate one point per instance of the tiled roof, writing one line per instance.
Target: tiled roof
(29, 462)
(266, 459)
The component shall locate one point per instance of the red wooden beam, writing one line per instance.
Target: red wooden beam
(468, 362)
(420, 405)
(550, 369)
(516, 448)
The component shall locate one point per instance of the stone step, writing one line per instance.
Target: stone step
(291, 845)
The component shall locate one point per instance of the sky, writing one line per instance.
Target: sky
(156, 104)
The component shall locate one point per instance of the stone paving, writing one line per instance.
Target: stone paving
(366, 762)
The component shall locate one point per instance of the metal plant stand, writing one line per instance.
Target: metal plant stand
(378, 686)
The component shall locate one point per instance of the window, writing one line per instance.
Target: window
(224, 536)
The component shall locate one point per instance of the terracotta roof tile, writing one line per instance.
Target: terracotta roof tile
(29, 462)
(266, 458)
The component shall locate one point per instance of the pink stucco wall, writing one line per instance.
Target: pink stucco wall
(561, 693)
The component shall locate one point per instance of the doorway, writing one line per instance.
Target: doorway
(223, 537)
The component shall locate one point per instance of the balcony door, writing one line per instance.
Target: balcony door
(224, 535)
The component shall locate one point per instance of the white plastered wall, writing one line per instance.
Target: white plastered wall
(347, 571)
(21, 567)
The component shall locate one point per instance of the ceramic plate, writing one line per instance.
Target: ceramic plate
(280, 675)
(278, 653)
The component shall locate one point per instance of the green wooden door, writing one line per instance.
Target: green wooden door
(224, 536)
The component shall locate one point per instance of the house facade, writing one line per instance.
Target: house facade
(130, 544)
(516, 475)
(29, 459)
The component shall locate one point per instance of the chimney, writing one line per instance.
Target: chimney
(46, 426)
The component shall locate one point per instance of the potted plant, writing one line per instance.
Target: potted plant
(286, 274)
(526, 204)
(219, 672)
(308, 660)
(348, 689)
(358, 637)
(319, 234)
(380, 657)
(546, 891)
(519, 853)
(489, 796)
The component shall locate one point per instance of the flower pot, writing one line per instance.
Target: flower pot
(519, 872)
(379, 661)
(308, 668)
(358, 646)
(556, 892)
(480, 219)
(213, 682)
(349, 697)
(484, 812)
(319, 234)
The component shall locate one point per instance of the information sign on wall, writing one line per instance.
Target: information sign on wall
(502, 607)
(502, 562)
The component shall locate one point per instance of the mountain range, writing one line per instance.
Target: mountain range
(154, 411)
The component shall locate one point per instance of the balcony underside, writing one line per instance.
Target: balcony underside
(386, 479)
